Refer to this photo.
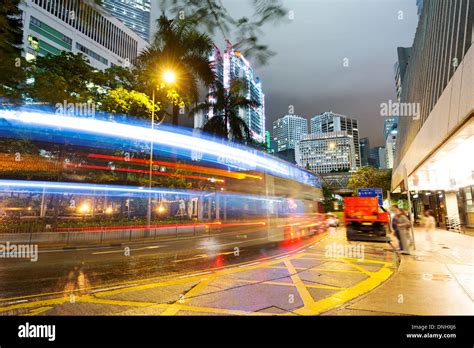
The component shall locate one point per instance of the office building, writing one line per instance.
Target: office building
(377, 158)
(434, 151)
(135, 14)
(390, 125)
(50, 27)
(328, 122)
(390, 148)
(403, 54)
(230, 66)
(364, 151)
(327, 152)
(288, 130)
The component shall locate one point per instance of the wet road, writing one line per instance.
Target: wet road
(64, 271)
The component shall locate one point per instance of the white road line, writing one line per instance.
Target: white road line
(114, 288)
(249, 264)
(195, 274)
(19, 301)
(281, 257)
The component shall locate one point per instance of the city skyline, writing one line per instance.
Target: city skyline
(361, 36)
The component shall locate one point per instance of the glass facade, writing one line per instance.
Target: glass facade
(135, 14)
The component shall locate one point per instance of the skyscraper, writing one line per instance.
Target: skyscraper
(326, 152)
(377, 157)
(135, 14)
(434, 149)
(288, 130)
(50, 27)
(390, 124)
(400, 67)
(230, 66)
(364, 151)
(390, 148)
(237, 67)
(332, 122)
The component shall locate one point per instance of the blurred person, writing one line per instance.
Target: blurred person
(429, 226)
(401, 225)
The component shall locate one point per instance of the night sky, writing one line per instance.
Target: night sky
(307, 71)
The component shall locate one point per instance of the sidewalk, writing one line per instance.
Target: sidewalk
(435, 279)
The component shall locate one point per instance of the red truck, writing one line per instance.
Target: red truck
(365, 219)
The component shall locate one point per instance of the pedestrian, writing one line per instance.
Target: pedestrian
(429, 226)
(401, 225)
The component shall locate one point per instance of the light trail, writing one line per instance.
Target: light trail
(190, 167)
(67, 187)
(146, 135)
(143, 171)
(96, 130)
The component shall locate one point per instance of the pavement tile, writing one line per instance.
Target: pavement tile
(252, 298)
(339, 279)
(371, 267)
(262, 274)
(320, 294)
(159, 294)
(306, 263)
(86, 308)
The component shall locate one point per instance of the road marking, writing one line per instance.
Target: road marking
(250, 264)
(310, 306)
(343, 296)
(112, 288)
(232, 268)
(300, 286)
(176, 307)
(281, 257)
(197, 257)
(19, 301)
(194, 275)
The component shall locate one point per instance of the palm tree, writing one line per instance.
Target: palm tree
(227, 102)
(178, 47)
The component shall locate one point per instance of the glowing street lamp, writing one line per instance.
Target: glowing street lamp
(169, 76)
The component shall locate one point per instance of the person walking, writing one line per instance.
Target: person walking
(429, 226)
(401, 225)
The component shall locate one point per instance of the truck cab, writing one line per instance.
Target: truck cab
(365, 219)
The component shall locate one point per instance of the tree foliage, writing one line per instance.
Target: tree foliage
(180, 48)
(63, 77)
(367, 177)
(245, 31)
(123, 101)
(12, 74)
(226, 122)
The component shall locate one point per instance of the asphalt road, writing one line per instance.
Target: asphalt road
(61, 271)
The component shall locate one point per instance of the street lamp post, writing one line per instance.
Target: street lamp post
(169, 77)
(148, 217)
